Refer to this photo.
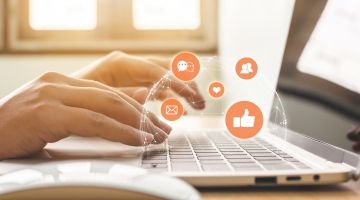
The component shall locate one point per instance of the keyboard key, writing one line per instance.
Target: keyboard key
(181, 156)
(176, 150)
(207, 154)
(154, 161)
(154, 157)
(241, 160)
(257, 151)
(230, 150)
(205, 151)
(237, 156)
(264, 162)
(204, 147)
(265, 158)
(263, 154)
(212, 161)
(210, 158)
(244, 165)
(234, 153)
(181, 153)
(227, 146)
(183, 160)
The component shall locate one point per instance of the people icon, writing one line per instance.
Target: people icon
(246, 68)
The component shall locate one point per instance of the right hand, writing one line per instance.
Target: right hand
(354, 136)
(55, 106)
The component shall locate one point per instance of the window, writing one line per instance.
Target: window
(62, 15)
(103, 25)
(180, 14)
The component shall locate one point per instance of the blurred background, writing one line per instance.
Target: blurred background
(319, 79)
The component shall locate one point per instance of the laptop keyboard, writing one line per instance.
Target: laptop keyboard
(214, 151)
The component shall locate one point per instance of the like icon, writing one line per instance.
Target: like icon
(216, 89)
(244, 119)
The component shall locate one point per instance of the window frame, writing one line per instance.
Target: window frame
(2, 24)
(203, 40)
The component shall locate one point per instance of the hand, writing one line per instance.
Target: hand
(122, 70)
(354, 135)
(55, 106)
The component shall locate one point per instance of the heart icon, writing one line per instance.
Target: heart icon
(216, 89)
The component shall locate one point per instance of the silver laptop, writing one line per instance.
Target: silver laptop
(200, 150)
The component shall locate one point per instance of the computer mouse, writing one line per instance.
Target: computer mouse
(89, 179)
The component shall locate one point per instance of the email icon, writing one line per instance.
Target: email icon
(172, 109)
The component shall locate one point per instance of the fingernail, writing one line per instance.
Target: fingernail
(140, 95)
(166, 127)
(141, 91)
(149, 138)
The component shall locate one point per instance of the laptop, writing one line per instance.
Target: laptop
(200, 150)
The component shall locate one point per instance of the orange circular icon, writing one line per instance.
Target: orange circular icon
(244, 119)
(216, 89)
(172, 109)
(185, 66)
(246, 68)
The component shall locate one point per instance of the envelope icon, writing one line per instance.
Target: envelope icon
(172, 109)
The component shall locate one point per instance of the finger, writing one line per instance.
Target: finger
(197, 101)
(151, 72)
(354, 134)
(163, 61)
(137, 93)
(107, 103)
(356, 147)
(136, 105)
(86, 123)
(163, 94)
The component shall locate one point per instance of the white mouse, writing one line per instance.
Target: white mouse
(91, 180)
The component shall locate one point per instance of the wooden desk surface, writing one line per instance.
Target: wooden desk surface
(345, 191)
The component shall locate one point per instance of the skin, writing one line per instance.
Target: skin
(103, 100)
(354, 135)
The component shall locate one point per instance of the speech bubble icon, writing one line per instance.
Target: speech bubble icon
(182, 66)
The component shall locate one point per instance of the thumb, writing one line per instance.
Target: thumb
(246, 113)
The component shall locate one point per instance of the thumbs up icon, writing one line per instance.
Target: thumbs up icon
(246, 121)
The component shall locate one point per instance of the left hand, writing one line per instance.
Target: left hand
(135, 74)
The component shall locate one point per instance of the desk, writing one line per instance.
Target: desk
(345, 191)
